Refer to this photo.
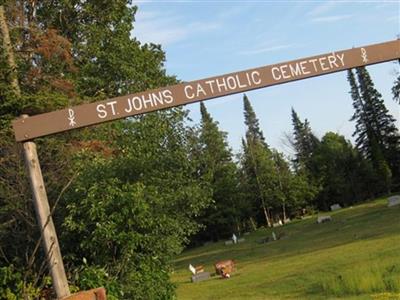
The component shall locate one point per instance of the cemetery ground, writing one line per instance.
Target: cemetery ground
(354, 256)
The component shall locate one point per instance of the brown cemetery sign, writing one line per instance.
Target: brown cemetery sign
(184, 93)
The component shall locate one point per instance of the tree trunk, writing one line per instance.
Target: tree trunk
(9, 51)
(266, 214)
(253, 224)
(267, 219)
(239, 230)
(284, 212)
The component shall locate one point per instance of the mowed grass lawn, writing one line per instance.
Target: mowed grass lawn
(355, 256)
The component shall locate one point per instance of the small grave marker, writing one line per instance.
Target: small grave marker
(234, 238)
(323, 219)
(192, 269)
(335, 207)
(393, 201)
(200, 276)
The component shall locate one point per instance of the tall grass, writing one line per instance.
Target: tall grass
(365, 279)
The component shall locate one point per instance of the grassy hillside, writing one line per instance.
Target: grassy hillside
(355, 256)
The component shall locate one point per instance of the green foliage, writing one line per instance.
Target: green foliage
(304, 143)
(216, 168)
(294, 190)
(396, 87)
(132, 213)
(14, 287)
(90, 277)
(72, 52)
(344, 178)
(110, 62)
(253, 131)
(396, 90)
(307, 183)
(259, 174)
(377, 136)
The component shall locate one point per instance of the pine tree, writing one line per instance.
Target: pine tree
(304, 142)
(305, 184)
(258, 164)
(253, 132)
(377, 137)
(396, 88)
(217, 168)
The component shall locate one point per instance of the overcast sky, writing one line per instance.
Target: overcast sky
(209, 38)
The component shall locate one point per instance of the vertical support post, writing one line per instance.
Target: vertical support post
(42, 208)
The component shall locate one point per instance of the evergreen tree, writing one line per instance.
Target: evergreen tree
(377, 137)
(217, 168)
(253, 132)
(258, 165)
(304, 142)
(396, 88)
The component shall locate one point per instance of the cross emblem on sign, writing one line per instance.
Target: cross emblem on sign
(71, 117)
(364, 55)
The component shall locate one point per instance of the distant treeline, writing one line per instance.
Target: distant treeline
(264, 187)
(131, 194)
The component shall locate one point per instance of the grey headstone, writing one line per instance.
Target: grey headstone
(393, 201)
(335, 207)
(200, 276)
(323, 219)
(241, 240)
(228, 242)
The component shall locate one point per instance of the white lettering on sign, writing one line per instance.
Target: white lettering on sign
(305, 67)
(138, 103)
(222, 85)
(104, 109)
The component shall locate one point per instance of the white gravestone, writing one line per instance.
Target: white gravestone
(234, 238)
(192, 269)
(273, 236)
(393, 201)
